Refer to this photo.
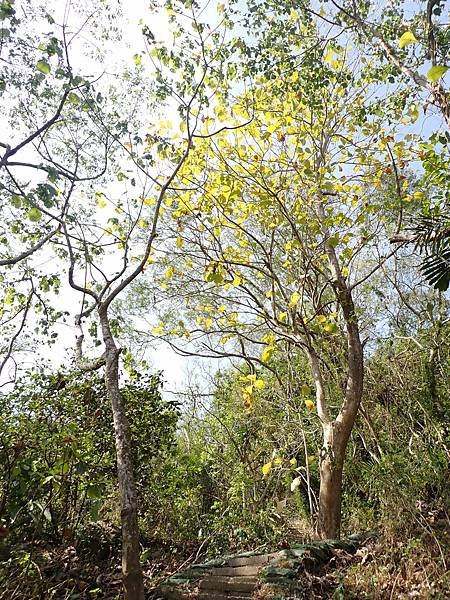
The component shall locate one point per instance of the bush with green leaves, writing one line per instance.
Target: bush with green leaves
(57, 456)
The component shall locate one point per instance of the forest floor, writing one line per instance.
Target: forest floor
(387, 566)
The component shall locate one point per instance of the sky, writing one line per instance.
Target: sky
(178, 371)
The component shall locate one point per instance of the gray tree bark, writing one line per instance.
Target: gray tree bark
(131, 567)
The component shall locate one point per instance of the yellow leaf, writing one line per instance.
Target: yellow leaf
(180, 242)
(266, 468)
(436, 72)
(282, 317)
(170, 271)
(293, 462)
(407, 38)
(329, 56)
(309, 404)
(158, 330)
(311, 459)
(267, 353)
(259, 384)
(277, 461)
(305, 389)
(269, 338)
(294, 300)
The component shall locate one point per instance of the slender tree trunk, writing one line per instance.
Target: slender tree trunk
(330, 494)
(131, 567)
(336, 434)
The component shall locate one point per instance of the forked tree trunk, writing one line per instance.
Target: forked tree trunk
(131, 567)
(336, 433)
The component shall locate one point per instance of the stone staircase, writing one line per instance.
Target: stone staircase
(235, 581)
(239, 577)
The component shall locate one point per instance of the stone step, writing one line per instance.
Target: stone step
(170, 593)
(229, 584)
(213, 595)
(253, 560)
(244, 571)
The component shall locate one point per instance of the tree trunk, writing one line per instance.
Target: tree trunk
(131, 568)
(330, 493)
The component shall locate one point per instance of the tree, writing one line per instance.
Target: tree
(429, 230)
(107, 253)
(50, 146)
(392, 32)
(275, 222)
(405, 43)
(104, 252)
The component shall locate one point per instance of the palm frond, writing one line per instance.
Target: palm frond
(432, 234)
(436, 269)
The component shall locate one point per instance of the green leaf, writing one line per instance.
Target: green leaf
(330, 327)
(81, 468)
(43, 67)
(6, 10)
(46, 193)
(34, 214)
(334, 240)
(94, 491)
(16, 201)
(407, 38)
(436, 72)
(74, 98)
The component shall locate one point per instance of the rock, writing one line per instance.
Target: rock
(246, 570)
(229, 584)
(251, 560)
(272, 573)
